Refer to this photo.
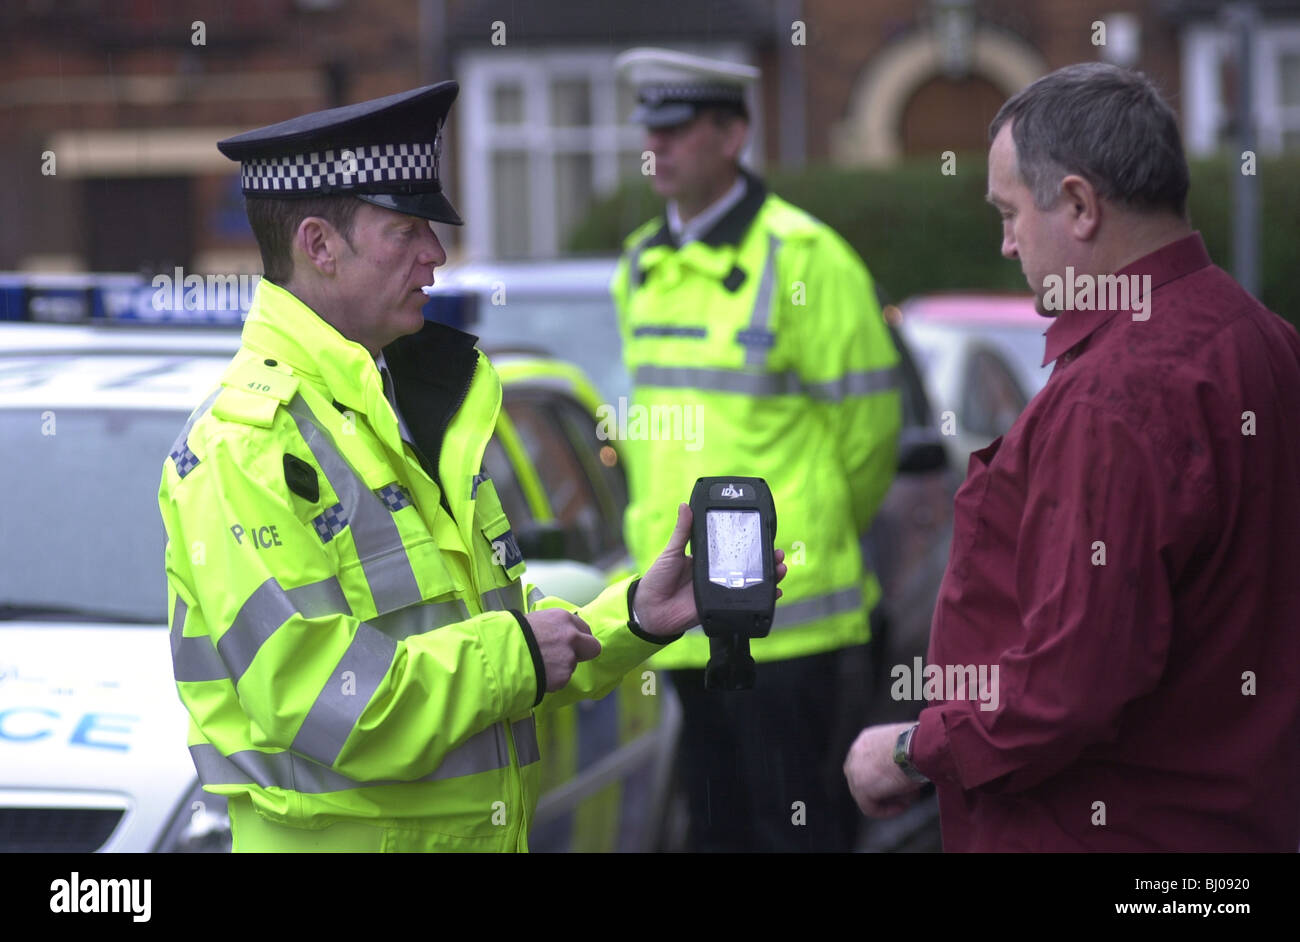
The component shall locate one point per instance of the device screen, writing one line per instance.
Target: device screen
(735, 548)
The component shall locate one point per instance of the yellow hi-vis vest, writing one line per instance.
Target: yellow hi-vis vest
(347, 628)
(760, 350)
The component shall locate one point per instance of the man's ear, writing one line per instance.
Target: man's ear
(734, 135)
(315, 240)
(1083, 206)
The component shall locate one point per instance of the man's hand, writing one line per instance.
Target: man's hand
(878, 785)
(665, 597)
(565, 641)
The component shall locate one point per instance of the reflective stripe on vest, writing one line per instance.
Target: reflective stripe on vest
(757, 338)
(505, 599)
(379, 544)
(818, 606)
(485, 751)
(535, 595)
(417, 619)
(788, 383)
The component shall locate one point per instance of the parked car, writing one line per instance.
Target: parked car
(92, 734)
(981, 356)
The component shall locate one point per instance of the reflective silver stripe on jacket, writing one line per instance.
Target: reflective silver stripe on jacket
(345, 696)
(819, 606)
(535, 595)
(506, 598)
(194, 416)
(757, 338)
(193, 659)
(485, 751)
(787, 383)
(269, 607)
(378, 541)
(417, 619)
(525, 733)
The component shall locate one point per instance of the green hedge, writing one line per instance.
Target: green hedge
(920, 231)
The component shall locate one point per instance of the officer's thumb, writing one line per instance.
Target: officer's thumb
(585, 647)
(682, 532)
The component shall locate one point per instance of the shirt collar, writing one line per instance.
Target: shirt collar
(1181, 257)
(685, 232)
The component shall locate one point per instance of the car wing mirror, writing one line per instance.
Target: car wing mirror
(921, 451)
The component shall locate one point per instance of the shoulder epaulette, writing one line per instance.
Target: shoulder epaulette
(253, 390)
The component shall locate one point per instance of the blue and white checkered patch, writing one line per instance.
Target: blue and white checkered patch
(330, 523)
(394, 496)
(186, 461)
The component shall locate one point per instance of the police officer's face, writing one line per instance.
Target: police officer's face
(690, 157)
(379, 279)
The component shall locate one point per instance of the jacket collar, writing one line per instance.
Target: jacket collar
(282, 327)
(731, 228)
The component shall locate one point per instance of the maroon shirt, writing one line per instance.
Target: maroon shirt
(1126, 683)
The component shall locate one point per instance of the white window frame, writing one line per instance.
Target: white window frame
(609, 134)
(1205, 47)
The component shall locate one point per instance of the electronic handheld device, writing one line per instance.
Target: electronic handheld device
(732, 543)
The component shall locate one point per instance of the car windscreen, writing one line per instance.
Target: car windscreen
(580, 329)
(82, 535)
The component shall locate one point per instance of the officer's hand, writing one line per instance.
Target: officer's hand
(564, 640)
(665, 598)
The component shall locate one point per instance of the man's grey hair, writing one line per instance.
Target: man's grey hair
(1106, 124)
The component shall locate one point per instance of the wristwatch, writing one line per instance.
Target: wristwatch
(903, 754)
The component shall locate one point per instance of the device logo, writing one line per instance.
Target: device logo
(731, 491)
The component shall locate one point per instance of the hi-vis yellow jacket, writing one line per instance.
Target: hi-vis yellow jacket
(760, 350)
(347, 615)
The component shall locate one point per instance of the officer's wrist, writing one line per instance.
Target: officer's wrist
(634, 623)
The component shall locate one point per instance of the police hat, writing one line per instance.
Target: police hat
(383, 151)
(672, 87)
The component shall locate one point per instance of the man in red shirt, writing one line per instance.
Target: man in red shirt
(1125, 563)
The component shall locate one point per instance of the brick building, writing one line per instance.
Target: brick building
(110, 109)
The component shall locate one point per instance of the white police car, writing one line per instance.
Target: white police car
(92, 733)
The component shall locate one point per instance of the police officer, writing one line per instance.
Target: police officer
(366, 679)
(759, 323)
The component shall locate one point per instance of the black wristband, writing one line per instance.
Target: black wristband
(632, 625)
(539, 666)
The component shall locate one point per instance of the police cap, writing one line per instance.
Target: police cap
(673, 87)
(383, 151)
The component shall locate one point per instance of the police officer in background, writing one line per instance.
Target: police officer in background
(760, 323)
(350, 634)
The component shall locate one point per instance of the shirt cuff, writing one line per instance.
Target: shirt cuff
(931, 754)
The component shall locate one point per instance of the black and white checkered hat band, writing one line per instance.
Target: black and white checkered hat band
(345, 166)
(655, 95)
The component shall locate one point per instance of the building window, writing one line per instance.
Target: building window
(1208, 52)
(542, 134)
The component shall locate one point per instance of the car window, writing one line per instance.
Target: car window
(582, 329)
(502, 472)
(79, 492)
(991, 398)
(916, 407)
(600, 459)
(573, 498)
